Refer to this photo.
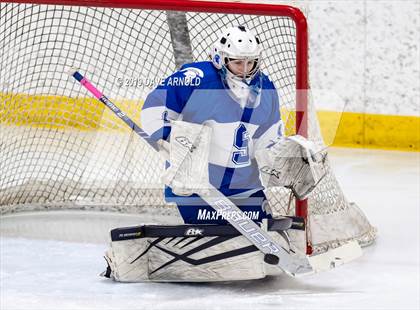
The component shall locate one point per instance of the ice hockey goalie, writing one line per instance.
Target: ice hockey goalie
(220, 122)
(207, 252)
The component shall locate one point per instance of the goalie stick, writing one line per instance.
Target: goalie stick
(274, 254)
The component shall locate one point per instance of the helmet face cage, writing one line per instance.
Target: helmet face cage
(244, 68)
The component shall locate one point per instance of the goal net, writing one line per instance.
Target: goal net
(61, 149)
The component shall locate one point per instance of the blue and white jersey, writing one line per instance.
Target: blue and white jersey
(196, 94)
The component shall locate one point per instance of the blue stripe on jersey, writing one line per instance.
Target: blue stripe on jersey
(246, 116)
(162, 133)
(233, 181)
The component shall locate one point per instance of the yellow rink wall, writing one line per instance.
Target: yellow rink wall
(346, 129)
(389, 132)
(60, 112)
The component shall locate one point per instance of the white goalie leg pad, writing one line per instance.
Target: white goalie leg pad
(206, 253)
(292, 162)
(124, 265)
(192, 253)
(188, 156)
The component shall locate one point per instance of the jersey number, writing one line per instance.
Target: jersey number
(241, 139)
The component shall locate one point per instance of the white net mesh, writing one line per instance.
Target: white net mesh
(59, 148)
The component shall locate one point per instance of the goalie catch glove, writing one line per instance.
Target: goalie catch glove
(292, 162)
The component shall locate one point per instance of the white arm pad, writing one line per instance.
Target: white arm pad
(292, 162)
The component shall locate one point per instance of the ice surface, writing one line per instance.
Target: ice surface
(55, 270)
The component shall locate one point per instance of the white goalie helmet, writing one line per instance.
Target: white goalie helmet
(240, 45)
(237, 55)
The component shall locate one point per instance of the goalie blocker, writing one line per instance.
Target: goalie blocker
(192, 253)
